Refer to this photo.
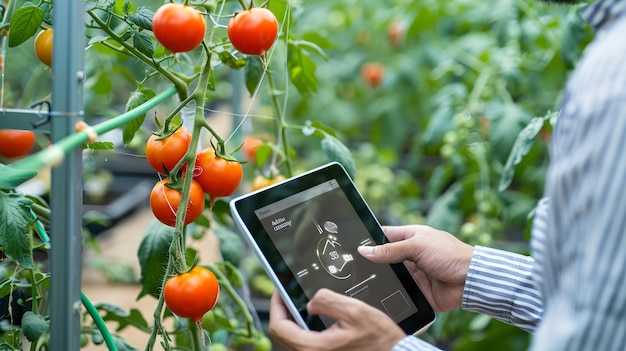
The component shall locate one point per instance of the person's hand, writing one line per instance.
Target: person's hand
(438, 260)
(359, 326)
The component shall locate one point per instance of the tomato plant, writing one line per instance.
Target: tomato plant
(253, 31)
(217, 176)
(164, 202)
(43, 46)
(192, 294)
(178, 27)
(373, 73)
(16, 143)
(163, 153)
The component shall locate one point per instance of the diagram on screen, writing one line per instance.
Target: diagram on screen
(333, 257)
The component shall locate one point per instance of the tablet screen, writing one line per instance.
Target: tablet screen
(309, 231)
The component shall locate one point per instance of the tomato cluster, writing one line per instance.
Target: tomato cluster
(178, 27)
(192, 294)
(253, 31)
(16, 143)
(212, 175)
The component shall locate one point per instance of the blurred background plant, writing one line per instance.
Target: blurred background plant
(446, 108)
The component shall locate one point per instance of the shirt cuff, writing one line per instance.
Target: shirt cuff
(499, 284)
(412, 343)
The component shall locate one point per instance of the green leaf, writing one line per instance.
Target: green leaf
(231, 245)
(507, 122)
(100, 145)
(153, 255)
(124, 318)
(336, 151)
(301, 70)
(136, 99)
(142, 18)
(24, 24)
(221, 211)
(317, 128)
(444, 213)
(33, 325)
(11, 177)
(522, 145)
(143, 42)
(211, 81)
(231, 61)
(15, 217)
(253, 73)
(311, 47)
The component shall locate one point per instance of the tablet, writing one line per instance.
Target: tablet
(306, 230)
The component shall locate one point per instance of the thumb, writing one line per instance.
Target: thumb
(394, 252)
(334, 305)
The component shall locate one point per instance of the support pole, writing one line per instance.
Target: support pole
(66, 188)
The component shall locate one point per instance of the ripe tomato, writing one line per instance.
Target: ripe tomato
(249, 147)
(164, 154)
(192, 294)
(164, 202)
(218, 177)
(178, 27)
(253, 31)
(43, 46)
(16, 143)
(373, 73)
(261, 182)
(395, 33)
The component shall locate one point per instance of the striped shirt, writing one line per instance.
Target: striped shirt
(571, 294)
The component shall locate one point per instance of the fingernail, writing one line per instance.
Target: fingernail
(366, 250)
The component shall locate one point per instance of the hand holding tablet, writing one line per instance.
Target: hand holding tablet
(306, 231)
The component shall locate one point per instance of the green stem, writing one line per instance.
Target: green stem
(35, 293)
(55, 153)
(93, 312)
(177, 247)
(195, 329)
(282, 123)
(181, 86)
(230, 290)
(158, 311)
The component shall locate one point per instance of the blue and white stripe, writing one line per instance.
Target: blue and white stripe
(572, 295)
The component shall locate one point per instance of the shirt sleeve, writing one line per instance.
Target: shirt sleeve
(500, 284)
(584, 284)
(412, 343)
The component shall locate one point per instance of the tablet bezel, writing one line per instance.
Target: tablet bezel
(243, 211)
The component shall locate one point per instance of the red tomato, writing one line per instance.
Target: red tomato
(164, 154)
(218, 177)
(178, 27)
(16, 143)
(373, 73)
(395, 33)
(164, 202)
(192, 294)
(253, 31)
